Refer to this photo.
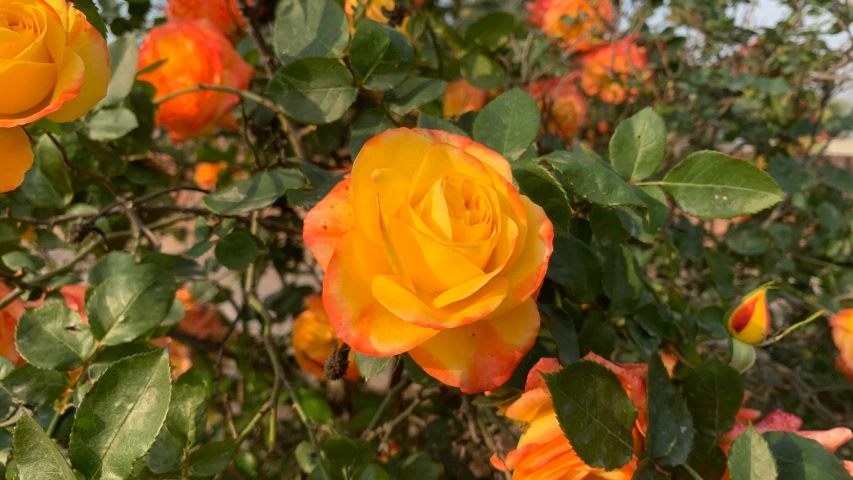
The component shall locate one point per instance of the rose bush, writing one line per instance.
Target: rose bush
(399, 239)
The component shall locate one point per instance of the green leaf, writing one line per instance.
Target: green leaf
(371, 471)
(508, 124)
(322, 182)
(256, 193)
(622, 280)
(212, 458)
(47, 184)
(35, 386)
(714, 185)
(316, 406)
(714, 393)
(18, 260)
(414, 93)
(130, 304)
(310, 28)
(669, 435)
(483, 71)
(592, 180)
(545, 190)
(124, 58)
(647, 471)
(562, 328)
(121, 416)
(106, 125)
(54, 337)
(92, 16)
(36, 455)
(574, 266)
(800, 458)
(237, 250)
(644, 225)
(166, 454)
(706, 459)
(638, 145)
(492, 31)
(370, 366)
(380, 56)
(435, 123)
(370, 122)
(314, 90)
(750, 457)
(188, 409)
(599, 431)
(110, 264)
(344, 452)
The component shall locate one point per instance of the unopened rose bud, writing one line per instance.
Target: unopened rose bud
(750, 321)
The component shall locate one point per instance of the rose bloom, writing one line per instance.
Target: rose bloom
(224, 14)
(314, 340)
(373, 11)
(562, 104)
(842, 335)
(543, 450)
(196, 52)
(206, 174)
(577, 24)
(54, 65)
(429, 249)
(201, 320)
(606, 70)
(461, 97)
(750, 321)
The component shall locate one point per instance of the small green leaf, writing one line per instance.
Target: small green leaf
(380, 56)
(750, 457)
(36, 455)
(314, 90)
(237, 250)
(121, 416)
(47, 184)
(256, 193)
(35, 386)
(492, 31)
(508, 124)
(54, 337)
(545, 190)
(371, 471)
(112, 124)
(124, 59)
(669, 435)
(166, 454)
(714, 185)
(574, 266)
(622, 280)
(188, 409)
(706, 459)
(648, 471)
(370, 122)
(130, 304)
(483, 71)
(638, 145)
(562, 328)
(110, 264)
(592, 180)
(370, 366)
(714, 393)
(413, 93)
(212, 458)
(310, 28)
(600, 431)
(421, 467)
(800, 458)
(435, 123)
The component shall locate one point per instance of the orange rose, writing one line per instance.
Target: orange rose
(201, 320)
(314, 340)
(196, 53)
(462, 97)
(780, 421)
(224, 14)
(376, 11)
(207, 174)
(842, 334)
(563, 104)
(543, 450)
(750, 321)
(429, 249)
(576, 24)
(57, 66)
(180, 357)
(606, 70)
(8, 322)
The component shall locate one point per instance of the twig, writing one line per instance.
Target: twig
(386, 402)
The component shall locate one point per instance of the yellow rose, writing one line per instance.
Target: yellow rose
(57, 65)
(429, 249)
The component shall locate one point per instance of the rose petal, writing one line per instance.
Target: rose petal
(17, 157)
(328, 222)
